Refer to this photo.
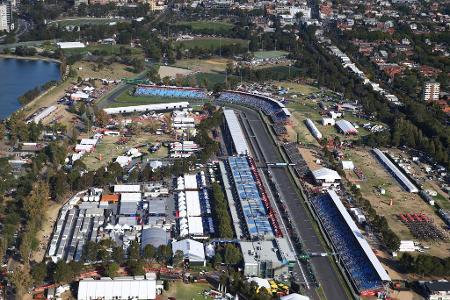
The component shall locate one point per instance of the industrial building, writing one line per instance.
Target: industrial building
(395, 171)
(6, 17)
(232, 132)
(137, 287)
(146, 108)
(438, 290)
(326, 177)
(267, 259)
(313, 129)
(346, 127)
(193, 251)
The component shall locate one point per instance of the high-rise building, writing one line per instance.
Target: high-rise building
(431, 91)
(6, 20)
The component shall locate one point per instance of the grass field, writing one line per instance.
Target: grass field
(212, 43)
(126, 99)
(86, 21)
(203, 65)
(107, 150)
(114, 71)
(402, 201)
(269, 54)
(199, 26)
(192, 291)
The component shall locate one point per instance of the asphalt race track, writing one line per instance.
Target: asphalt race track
(326, 275)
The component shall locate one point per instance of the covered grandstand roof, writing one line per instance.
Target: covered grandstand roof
(346, 127)
(239, 141)
(404, 181)
(146, 108)
(359, 237)
(255, 214)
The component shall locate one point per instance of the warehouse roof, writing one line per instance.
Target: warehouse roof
(124, 188)
(326, 174)
(237, 136)
(117, 288)
(154, 236)
(195, 225)
(130, 197)
(146, 108)
(70, 45)
(193, 204)
(110, 198)
(190, 181)
(346, 127)
(406, 183)
(192, 250)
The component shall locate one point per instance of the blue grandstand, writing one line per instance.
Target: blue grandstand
(170, 92)
(255, 215)
(271, 107)
(364, 268)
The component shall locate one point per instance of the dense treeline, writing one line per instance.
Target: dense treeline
(30, 95)
(203, 139)
(425, 265)
(220, 211)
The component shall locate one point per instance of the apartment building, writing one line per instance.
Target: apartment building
(431, 91)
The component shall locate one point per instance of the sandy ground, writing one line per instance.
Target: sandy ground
(43, 235)
(310, 158)
(173, 72)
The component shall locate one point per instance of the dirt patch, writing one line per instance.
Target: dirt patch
(173, 72)
(112, 71)
(310, 157)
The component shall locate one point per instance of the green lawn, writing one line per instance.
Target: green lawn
(269, 54)
(212, 43)
(442, 201)
(192, 291)
(126, 99)
(199, 26)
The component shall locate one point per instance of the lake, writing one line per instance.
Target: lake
(18, 76)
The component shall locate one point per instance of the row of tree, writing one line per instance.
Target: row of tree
(425, 265)
(220, 211)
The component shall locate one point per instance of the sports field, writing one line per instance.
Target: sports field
(212, 43)
(127, 99)
(180, 290)
(200, 26)
(269, 54)
(215, 64)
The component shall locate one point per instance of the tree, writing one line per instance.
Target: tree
(63, 272)
(232, 255)
(118, 255)
(112, 269)
(134, 251)
(136, 267)
(90, 251)
(39, 272)
(21, 279)
(217, 260)
(178, 258)
(163, 254)
(149, 252)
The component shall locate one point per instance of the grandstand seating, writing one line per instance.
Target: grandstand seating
(272, 108)
(170, 92)
(352, 255)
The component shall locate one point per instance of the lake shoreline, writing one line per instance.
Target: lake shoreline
(43, 58)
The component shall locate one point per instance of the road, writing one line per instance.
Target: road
(325, 273)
